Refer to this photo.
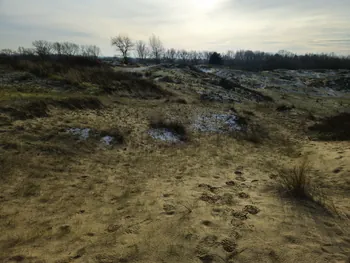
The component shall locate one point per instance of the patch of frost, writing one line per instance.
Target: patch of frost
(217, 123)
(206, 70)
(107, 140)
(82, 133)
(164, 135)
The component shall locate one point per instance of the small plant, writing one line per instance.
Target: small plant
(296, 181)
(333, 128)
(29, 189)
(73, 76)
(253, 132)
(157, 122)
(215, 59)
(5, 165)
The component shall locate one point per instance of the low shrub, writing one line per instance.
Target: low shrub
(178, 128)
(296, 181)
(334, 128)
(298, 184)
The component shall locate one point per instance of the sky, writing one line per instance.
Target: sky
(299, 26)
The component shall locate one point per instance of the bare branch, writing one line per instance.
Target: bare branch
(157, 48)
(42, 47)
(141, 49)
(124, 44)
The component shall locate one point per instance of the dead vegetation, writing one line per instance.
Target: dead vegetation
(160, 122)
(137, 201)
(333, 128)
(34, 106)
(297, 182)
(254, 133)
(99, 79)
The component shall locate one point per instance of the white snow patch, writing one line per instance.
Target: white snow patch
(164, 135)
(206, 70)
(82, 133)
(107, 140)
(217, 123)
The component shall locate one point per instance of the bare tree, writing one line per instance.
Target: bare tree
(69, 49)
(167, 55)
(183, 55)
(194, 57)
(141, 49)
(25, 51)
(124, 44)
(157, 48)
(230, 54)
(42, 47)
(171, 55)
(201, 56)
(229, 57)
(95, 51)
(207, 55)
(57, 48)
(7, 52)
(286, 53)
(90, 51)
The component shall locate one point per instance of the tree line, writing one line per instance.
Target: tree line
(154, 51)
(241, 59)
(44, 49)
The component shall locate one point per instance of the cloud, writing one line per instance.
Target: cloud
(19, 28)
(269, 25)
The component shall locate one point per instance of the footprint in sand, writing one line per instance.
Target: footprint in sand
(210, 198)
(251, 209)
(113, 228)
(241, 179)
(207, 223)
(228, 199)
(337, 170)
(231, 183)
(243, 195)
(209, 241)
(18, 258)
(206, 256)
(229, 245)
(169, 209)
(242, 215)
(208, 187)
(217, 211)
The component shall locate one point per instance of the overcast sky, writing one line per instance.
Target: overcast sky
(269, 25)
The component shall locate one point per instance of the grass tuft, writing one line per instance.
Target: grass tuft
(296, 181)
(334, 128)
(178, 128)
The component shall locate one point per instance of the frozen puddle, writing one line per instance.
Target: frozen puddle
(217, 123)
(164, 135)
(85, 133)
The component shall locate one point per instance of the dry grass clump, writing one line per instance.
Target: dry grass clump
(5, 165)
(106, 78)
(252, 132)
(334, 128)
(36, 106)
(298, 184)
(159, 122)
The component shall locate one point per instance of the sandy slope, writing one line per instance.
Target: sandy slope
(213, 199)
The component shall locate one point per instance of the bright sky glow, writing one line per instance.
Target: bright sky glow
(270, 25)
